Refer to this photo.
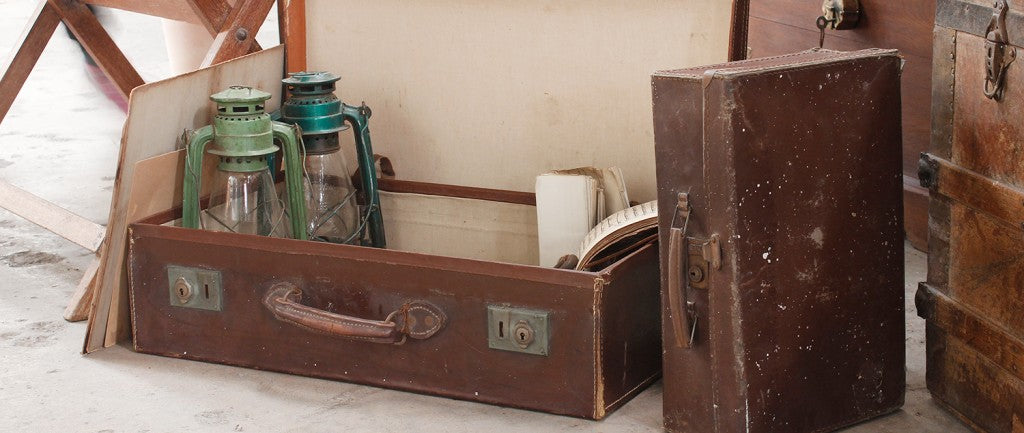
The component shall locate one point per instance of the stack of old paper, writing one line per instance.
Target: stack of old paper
(570, 203)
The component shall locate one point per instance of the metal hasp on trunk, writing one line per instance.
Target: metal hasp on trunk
(314, 107)
(998, 53)
(243, 136)
(838, 14)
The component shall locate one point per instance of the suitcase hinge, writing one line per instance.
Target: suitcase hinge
(998, 53)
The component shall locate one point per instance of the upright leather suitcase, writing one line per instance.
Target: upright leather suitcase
(779, 188)
(786, 26)
(972, 299)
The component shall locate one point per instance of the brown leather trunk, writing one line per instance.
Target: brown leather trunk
(973, 300)
(785, 26)
(791, 165)
(404, 320)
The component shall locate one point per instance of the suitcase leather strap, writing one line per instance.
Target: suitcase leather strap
(683, 273)
(416, 319)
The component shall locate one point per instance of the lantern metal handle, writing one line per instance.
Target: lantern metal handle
(359, 118)
(291, 141)
(195, 148)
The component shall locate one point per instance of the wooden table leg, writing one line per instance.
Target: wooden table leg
(29, 46)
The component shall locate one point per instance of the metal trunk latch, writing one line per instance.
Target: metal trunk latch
(838, 15)
(998, 53)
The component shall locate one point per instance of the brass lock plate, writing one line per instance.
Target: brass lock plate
(195, 288)
(517, 329)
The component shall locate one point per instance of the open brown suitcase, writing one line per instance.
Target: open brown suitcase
(781, 238)
(433, 312)
(972, 299)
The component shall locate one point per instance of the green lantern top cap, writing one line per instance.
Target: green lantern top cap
(240, 101)
(315, 77)
(311, 83)
(239, 94)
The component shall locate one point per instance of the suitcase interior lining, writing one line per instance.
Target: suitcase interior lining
(468, 228)
(460, 227)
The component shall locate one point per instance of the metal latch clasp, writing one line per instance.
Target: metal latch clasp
(839, 15)
(998, 53)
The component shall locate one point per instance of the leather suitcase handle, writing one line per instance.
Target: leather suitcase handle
(678, 256)
(678, 275)
(416, 319)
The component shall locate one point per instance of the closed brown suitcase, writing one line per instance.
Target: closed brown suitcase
(779, 183)
(973, 299)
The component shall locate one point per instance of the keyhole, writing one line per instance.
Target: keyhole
(206, 290)
(696, 274)
(181, 291)
(522, 336)
(501, 329)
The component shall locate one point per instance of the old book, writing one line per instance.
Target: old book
(618, 235)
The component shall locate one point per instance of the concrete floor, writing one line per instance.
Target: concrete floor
(60, 141)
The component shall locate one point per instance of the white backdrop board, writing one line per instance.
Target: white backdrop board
(493, 93)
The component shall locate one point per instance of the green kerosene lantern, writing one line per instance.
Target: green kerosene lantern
(333, 213)
(243, 198)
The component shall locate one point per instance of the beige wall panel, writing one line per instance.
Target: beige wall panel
(491, 93)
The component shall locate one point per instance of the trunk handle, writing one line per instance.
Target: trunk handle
(415, 319)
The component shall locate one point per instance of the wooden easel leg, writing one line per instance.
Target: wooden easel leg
(21, 61)
(239, 30)
(81, 300)
(51, 217)
(214, 14)
(90, 33)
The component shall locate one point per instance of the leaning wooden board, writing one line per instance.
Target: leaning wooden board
(785, 26)
(972, 300)
(157, 115)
